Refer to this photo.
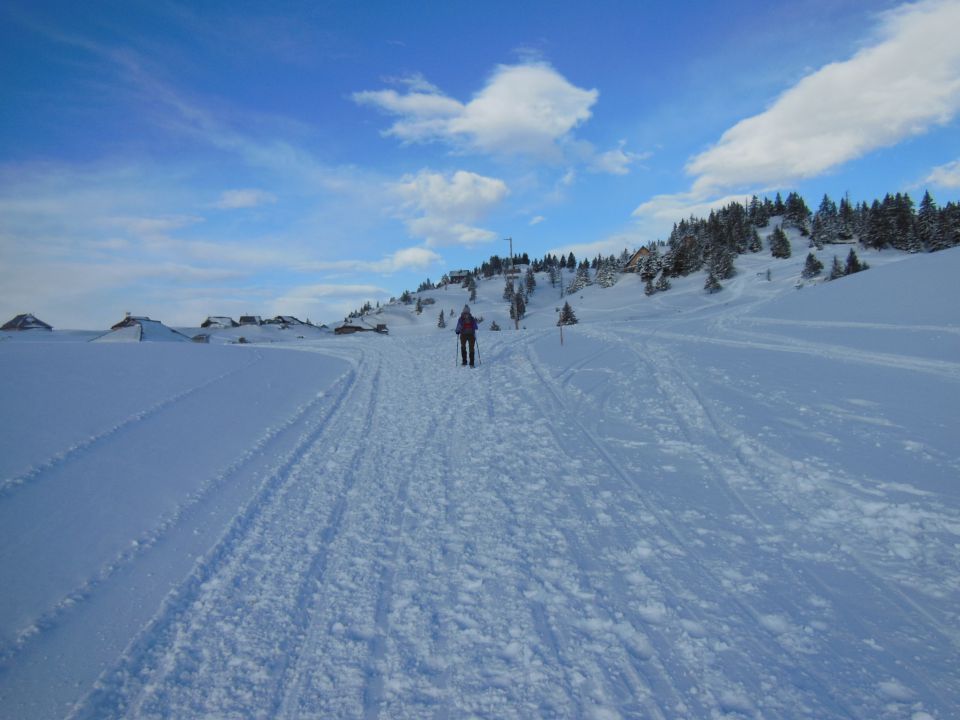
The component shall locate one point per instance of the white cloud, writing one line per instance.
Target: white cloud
(524, 109)
(413, 258)
(901, 86)
(612, 245)
(447, 205)
(244, 198)
(328, 290)
(947, 176)
(151, 227)
(616, 161)
(324, 300)
(536, 220)
(667, 209)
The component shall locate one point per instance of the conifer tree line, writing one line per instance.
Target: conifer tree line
(894, 222)
(713, 243)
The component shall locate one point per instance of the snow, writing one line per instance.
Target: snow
(699, 506)
(142, 329)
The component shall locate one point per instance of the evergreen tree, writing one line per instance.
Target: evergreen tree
(508, 289)
(899, 221)
(812, 267)
(779, 244)
(518, 308)
(581, 279)
(442, 322)
(567, 316)
(778, 206)
(531, 281)
(648, 288)
(663, 282)
(712, 285)
(758, 213)
(607, 274)
(419, 306)
(796, 214)
(571, 261)
(876, 228)
(846, 221)
(406, 298)
(853, 264)
(836, 271)
(826, 224)
(756, 244)
(928, 223)
(949, 226)
(906, 220)
(721, 263)
(686, 248)
(650, 265)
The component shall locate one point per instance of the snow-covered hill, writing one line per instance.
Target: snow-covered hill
(742, 504)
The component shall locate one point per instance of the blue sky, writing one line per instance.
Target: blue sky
(302, 158)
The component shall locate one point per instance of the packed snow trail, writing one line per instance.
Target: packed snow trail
(583, 534)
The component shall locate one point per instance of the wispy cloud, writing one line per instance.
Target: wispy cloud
(611, 245)
(666, 209)
(947, 175)
(445, 207)
(412, 258)
(616, 161)
(903, 84)
(324, 300)
(245, 198)
(525, 109)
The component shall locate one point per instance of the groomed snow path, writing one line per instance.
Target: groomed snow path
(498, 543)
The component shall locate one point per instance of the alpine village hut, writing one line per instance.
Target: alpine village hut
(134, 328)
(220, 322)
(633, 264)
(26, 322)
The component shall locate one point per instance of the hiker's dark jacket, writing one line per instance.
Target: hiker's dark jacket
(467, 325)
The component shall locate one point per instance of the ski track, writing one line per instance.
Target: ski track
(377, 573)
(771, 492)
(145, 542)
(38, 471)
(760, 341)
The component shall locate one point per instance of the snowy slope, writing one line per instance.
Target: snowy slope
(737, 505)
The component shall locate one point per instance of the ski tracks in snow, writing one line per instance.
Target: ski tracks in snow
(452, 543)
(772, 547)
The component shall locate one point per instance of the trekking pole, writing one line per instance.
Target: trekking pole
(456, 351)
(476, 341)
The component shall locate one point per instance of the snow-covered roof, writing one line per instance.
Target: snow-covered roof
(26, 322)
(286, 320)
(141, 329)
(219, 321)
(130, 320)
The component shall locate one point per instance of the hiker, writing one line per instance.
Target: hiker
(467, 330)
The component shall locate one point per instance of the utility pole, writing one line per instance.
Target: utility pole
(513, 298)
